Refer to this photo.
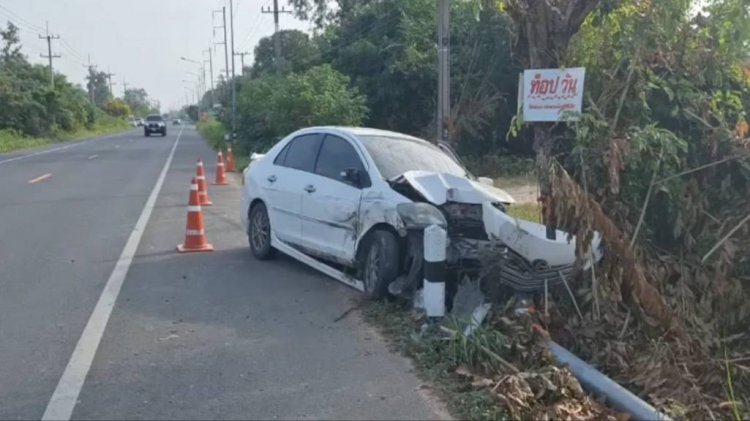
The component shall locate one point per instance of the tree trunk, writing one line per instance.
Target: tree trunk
(543, 147)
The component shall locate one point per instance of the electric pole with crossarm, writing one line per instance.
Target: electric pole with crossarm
(49, 37)
(276, 37)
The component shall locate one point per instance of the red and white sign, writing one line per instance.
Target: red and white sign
(552, 94)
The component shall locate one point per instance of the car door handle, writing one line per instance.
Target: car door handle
(310, 188)
(271, 178)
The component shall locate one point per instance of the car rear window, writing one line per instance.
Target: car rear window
(154, 118)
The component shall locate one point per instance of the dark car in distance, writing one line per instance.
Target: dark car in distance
(155, 124)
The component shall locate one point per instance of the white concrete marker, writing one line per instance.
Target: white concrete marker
(435, 243)
(65, 396)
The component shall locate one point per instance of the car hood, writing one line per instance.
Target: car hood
(439, 188)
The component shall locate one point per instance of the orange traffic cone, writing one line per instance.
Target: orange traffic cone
(200, 175)
(221, 177)
(195, 235)
(230, 159)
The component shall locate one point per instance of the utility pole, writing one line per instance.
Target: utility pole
(124, 88)
(444, 76)
(276, 39)
(109, 79)
(234, 91)
(49, 55)
(211, 73)
(92, 87)
(242, 58)
(223, 12)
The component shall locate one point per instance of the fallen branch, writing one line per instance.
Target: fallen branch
(724, 240)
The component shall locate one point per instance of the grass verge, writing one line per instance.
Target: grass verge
(11, 140)
(213, 131)
(433, 361)
(528, 211)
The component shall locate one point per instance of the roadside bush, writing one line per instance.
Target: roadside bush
(213, 131)
(117, 108)
(272, 107)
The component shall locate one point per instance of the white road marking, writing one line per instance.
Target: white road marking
(16, 158)
(59, 148)
(40, 178)
(93, 156)
(65, 396)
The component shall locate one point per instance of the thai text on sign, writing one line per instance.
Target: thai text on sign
(552, 94)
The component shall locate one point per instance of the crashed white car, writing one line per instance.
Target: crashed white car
(353, 203)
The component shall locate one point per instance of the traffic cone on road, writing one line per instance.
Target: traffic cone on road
(200, 176)
(221, 177)
(230, 159)
(195, 234)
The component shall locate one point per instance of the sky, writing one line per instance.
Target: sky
(141, 41)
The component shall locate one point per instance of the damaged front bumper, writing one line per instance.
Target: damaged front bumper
(485, 242)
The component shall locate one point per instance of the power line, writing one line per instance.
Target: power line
(19, 18)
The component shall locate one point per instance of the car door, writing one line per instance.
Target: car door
(284, 185)
(331, 202)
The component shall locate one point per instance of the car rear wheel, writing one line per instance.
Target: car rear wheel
(145, 133)
(380, 266)
(259, 233)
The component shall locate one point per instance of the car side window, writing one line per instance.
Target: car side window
(303, 151)
(282, 155)
(337, 155)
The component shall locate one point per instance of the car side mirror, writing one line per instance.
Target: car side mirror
(353, 176)
(486, 181)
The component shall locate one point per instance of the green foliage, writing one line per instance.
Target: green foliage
(118, 108)
(272, 107)
(213, 131)
(32, 112)
(12, 140)
(684, 93)
(299, 53)
(140, 105)
(98, 87)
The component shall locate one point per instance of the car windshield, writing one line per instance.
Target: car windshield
(394, 155)
(154, 118)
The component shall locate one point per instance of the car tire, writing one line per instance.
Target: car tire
(146, 134)
(164, 133)
(259, 233)
(380, 264)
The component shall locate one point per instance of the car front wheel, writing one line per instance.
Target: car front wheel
(380, 266)
(259, 233)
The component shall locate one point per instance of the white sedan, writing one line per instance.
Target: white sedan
(353, 203)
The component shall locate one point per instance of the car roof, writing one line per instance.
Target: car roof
(366, 131)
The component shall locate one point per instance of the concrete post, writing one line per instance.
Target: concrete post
(435, 244)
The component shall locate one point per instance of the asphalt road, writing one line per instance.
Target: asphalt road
(198, 336)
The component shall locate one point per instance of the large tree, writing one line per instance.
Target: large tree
(97, 85)
(298, 53)
(137, 100)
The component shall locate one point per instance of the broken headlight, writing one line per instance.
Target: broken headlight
(420, 215)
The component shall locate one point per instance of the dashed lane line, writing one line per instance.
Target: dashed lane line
(40, 178)
(65, 396)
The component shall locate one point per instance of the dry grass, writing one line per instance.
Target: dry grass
(527, 211)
